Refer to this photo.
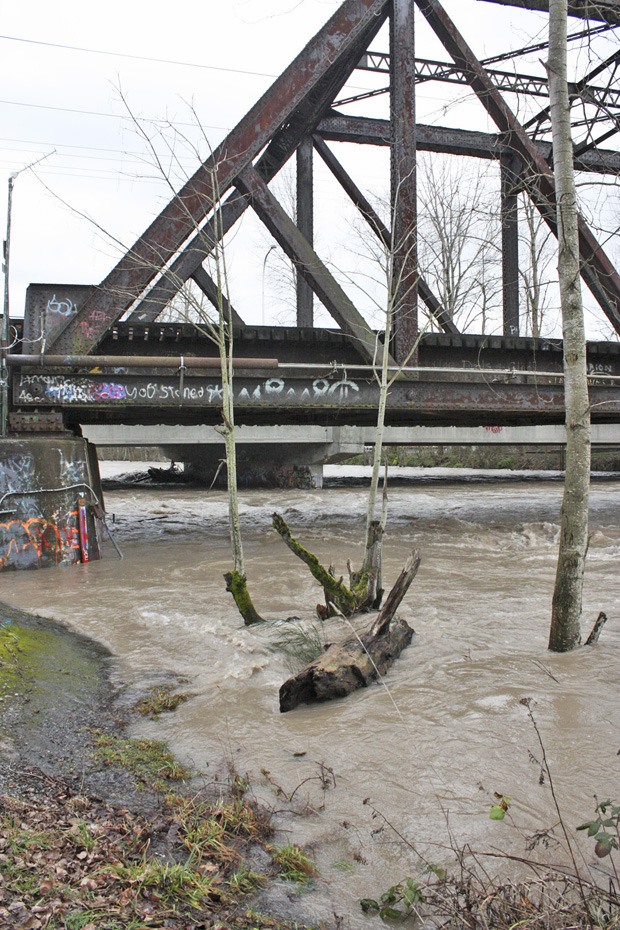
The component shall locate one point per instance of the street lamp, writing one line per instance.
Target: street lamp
(4, 344)
(267, 254)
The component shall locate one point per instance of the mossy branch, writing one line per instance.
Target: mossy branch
(336, 591)
(236, 583)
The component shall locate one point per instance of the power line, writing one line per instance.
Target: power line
(141, 119)
(161, 61)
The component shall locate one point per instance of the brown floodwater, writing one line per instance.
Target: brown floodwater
(442, 732)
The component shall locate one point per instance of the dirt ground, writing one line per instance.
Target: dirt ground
(88, 841)
(54, 687)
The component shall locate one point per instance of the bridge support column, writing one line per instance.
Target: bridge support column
(265, 465)
(510, 245)
(404, 275)
(305, 224)
(50, 502)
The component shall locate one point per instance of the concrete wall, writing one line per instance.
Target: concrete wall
(42, 481)
(313, 445)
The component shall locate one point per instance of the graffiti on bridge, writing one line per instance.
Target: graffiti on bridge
(63, 308)
(26, 543)
(60, 390)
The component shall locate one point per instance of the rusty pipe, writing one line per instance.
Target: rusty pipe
(133, 361)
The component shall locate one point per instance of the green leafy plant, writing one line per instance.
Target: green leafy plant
(397, 902)
(499, 809)
(608, 819)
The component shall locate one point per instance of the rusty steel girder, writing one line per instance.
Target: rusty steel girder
(403, 286)
(187, 211)
(337, 127)
(597, 270)
(350, 397)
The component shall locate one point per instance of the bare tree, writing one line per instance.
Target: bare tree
(539, 248)
(213, 320)
(457, 235)
(567, 595)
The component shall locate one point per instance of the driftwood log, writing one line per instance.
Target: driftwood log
(355, 663)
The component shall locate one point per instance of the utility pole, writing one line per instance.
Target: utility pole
(4, 371)
(4, 343)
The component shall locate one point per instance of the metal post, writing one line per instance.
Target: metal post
(510, 245)
(305, 224)
(4, 372)
(404, 217)
(4, 343)
(267, 254)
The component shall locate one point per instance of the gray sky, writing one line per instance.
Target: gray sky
(216, 58)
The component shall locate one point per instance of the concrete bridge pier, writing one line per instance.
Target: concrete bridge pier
(265, 464)
(51, 504)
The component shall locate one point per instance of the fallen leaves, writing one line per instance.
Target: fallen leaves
(70, 860)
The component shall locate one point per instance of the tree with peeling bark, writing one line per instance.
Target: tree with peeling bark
(364, 591)
(218, 328)
(346, 666)
(565, 631)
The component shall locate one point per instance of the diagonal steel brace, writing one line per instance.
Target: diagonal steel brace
(596, 268)
(186, 212)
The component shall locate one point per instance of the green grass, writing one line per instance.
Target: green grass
(161, 700)
(293, 863)
(149, 760)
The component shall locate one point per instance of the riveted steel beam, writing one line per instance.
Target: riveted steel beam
(180, 220)
(337, 127)
(308, 263)
(509, 184)
(160, 397)
(403, 281)
(596, 269)
(305, 224)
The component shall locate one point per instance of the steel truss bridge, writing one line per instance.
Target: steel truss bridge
(101, 355)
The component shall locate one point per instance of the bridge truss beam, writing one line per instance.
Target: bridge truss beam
(298, 106)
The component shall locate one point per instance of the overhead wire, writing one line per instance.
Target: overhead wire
(160, 61)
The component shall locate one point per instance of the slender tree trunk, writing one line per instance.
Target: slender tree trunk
(236, 581)
(567, 595)
(371, 566)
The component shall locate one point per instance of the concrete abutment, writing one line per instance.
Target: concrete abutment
(51, 503)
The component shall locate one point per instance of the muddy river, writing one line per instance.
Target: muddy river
(444, 730)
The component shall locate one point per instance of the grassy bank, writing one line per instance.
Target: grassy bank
(98, 830)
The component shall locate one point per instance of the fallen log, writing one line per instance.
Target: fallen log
(355, 663)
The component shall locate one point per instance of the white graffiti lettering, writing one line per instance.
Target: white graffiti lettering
(59, 390)
(61, 307)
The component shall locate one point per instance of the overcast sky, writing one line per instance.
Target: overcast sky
(74, 75)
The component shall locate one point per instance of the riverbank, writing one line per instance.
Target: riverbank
(102, 831)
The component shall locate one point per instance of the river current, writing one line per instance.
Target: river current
(442, 732)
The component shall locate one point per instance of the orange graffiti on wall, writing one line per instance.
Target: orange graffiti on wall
(34, 536)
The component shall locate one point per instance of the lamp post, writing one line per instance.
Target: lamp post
(267, 254)
(4, 372)
(4, 344)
